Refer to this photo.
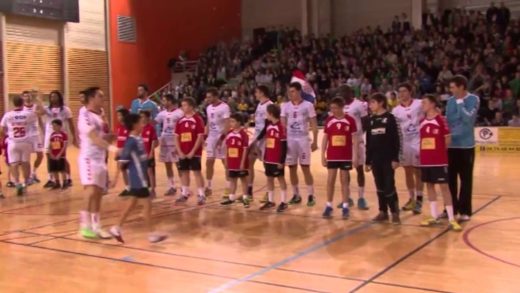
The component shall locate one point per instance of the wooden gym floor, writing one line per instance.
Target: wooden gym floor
(230, 249)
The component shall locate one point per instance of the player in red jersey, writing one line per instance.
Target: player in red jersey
(189, 137)
(236, 143)
(57, 156)
(122, 135)
(275, 153)
(150, 141)
(337, 152)
(433, 156)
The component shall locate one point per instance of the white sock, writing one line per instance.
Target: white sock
(171, 182)
(449, 211)
(329, 204)
(231, 196)
(412, 194)
(184, 190)
(84, 219)
(127, 187)
(201, 192)
(361, 191)
(95, 222)
(345, 205)
(209, 184)
(283, 195)
(310, 189)
(419, 192)
(67, 176)
(270, 195)
(296, 190)
(433, 209)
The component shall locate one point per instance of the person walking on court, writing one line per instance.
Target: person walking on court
(461, 113)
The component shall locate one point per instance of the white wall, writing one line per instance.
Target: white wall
(89, 33)
(266, 13)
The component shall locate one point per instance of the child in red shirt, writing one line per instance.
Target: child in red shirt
(237, 142)
(57, 154)
(122, 136)
(189, 136)
(150, 142)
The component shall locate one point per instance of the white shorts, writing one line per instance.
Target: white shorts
(168, 154)
(212, 151)
(37, 144)
(93, 172)
(19, 152)
(298, 151)
(410, 155)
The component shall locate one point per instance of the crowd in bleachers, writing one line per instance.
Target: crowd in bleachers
(484, 47)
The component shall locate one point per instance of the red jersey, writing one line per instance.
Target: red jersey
(339, 136)
(188, 130)
(149, 136)
(433, 143)
(274, 135)
(57, 143)
(236, 146)
(122, 135)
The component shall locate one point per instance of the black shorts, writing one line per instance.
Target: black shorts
(56, 165)
(138, 192)
(342, 165)
(151, 163)
(238, 173)
(192, 164)
(434, 175)
(272, 170)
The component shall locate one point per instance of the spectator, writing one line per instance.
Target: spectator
(365, 87)
(491, 13)
(143, 102)
(514, 84)
(498, 120)
(391, 96)
(515, 121)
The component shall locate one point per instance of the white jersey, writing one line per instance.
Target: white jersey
(217, 115)
(34, 129)
(298, 118)
(89, 121)
(260, 116)
(409, 120)
(18, 124)
(356, 109)
(56, 113)
(168, 120)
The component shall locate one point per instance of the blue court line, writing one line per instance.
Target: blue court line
(289, 259)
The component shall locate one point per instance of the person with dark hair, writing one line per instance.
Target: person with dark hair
(134, 160)
(189, 138)
(17, 124)
(257, 148)
(383, 152)
(297, 115)
(236, 142)
(357, 110)
(58, 110)
(339, 151)
(122, 136)
(57, 154)
(167, 119)
(218, 114)
(95, 142)
(435, 138)
(34, 104)
(143, 102)
(461, 113)
(409, 115)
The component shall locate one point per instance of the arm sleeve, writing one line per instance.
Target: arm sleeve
(468, 111)
(395, 138)
(264, 131)
(283, 111)
(226, 113)
(312, 111)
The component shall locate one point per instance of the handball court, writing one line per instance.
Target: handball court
(232, 249)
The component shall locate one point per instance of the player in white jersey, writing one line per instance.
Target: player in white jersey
(35, 132)
(217, 127)
(17, 124)
(94, 143)
(168, 118)
(257, 147)
(297, 115)
(409, 115)
(58, 110)
(357, 110)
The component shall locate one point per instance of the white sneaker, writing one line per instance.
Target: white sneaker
(155, 238)
(102, 234)
(116, 233)
(464, 218)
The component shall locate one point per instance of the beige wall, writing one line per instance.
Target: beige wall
(265, 13)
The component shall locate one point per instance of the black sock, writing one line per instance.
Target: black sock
(250, 190)
(420, 198)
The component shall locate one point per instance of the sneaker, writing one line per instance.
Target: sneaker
(443, 215)
(417, 210)
(267, 205)
(20, 190)
(227, 202)
(429, 221)
(49, 184)
(201, 201)
(67, 183)
(340, 205)
(35, 179)
(87, 233)
(250, 198)
(345, 213)
(296, 199)
(327, 213)
(311, 201)
(29, 182)
(181, 199)
(395, 219)
(246, 202)
(464, 218)
(282, 207)
(362, 204)
(102, 234)
(56, 186)
(350, 202)
(381, 217)
(2, 196)
(124, 192)
(10, 184)
(455, 226)
(410, 205)
(170, 192)
(208, 192)
(116, 233)
(265, 199)
(157, 238)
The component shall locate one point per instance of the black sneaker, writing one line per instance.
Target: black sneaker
(381, 217)
(267, 205)
(282, 207)
(10, 184)
(395, 219)
(311, 201)
(67, 183)
(296, 199)
(56, 186)
(227, 202)
(250, 190)
(124, 192)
